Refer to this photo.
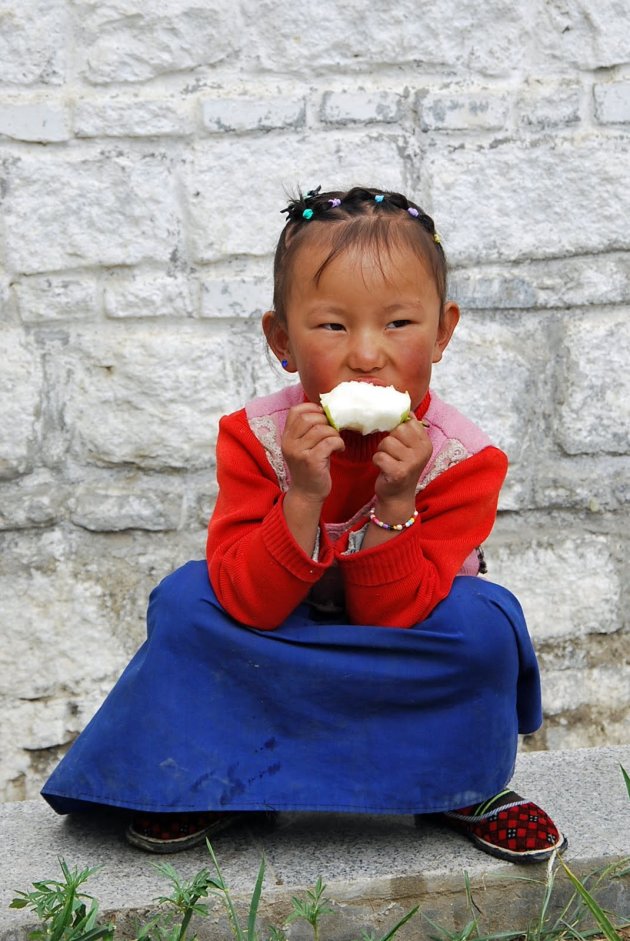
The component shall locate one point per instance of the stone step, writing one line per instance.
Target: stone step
(375, 867)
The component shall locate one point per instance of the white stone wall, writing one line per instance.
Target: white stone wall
(144, 159)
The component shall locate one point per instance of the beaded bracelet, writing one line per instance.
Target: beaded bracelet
(392, 527)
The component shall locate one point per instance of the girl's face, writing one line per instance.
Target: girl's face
(370, 318)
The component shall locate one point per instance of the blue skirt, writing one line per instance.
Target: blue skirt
(212, 715)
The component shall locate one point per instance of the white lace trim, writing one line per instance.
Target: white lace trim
(451, 454)
(266, 431)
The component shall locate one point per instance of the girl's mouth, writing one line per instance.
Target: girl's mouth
(372, 380)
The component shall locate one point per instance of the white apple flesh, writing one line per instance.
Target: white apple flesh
(365, 407)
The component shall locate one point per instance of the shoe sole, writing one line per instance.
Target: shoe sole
(512, 856)
(152, 845)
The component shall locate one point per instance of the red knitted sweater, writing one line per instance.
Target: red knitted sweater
(260, 574)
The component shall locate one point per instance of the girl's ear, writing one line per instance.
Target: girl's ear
(277, 338)
(446, 326)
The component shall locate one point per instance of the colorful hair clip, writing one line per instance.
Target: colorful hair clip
(308, 214)
(312, 193)
(379, 198)
(334, 203)
(437, 239)
(413, 212)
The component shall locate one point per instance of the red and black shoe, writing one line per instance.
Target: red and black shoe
(170, 833)
(509, 827)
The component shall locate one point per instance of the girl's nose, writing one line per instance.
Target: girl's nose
(366, 353)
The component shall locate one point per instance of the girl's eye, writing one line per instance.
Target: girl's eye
(398, 323)
(332, 326)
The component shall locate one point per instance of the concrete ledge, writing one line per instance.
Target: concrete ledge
(375, 868)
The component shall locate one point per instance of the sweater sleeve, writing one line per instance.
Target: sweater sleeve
(257, 570)
(398, 583)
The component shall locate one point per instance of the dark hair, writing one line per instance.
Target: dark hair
(369, 218)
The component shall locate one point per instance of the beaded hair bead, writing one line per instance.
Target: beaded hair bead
(299, 209)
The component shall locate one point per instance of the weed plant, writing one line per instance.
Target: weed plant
(63, 910)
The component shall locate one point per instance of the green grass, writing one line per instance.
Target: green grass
(62, 910)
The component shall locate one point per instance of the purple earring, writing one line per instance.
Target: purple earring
(284, 363)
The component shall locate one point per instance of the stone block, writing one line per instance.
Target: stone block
(150, 398)
(568, 587)
(516, 491)
(148, 294)
(64, 640)
(117, 209)
(612, 102)
(253, 114)
(21, 391)
(236, 296)
(35, 500)
(7, 304)
(351, 37)
(596, 485)
(458, 110)
(493, 372)
(583, 34)
(43, 122)
(593, 409)
(363, 106)
(546, 284)
(205, 498)
(126, 41)
(44, 724)
(114, 506)
(278, 165)
(138, 117)
(33, 45)
(542, 104)
(548, 187)
(571, 690)
(586, 728)
(80, 601)
(52, 298)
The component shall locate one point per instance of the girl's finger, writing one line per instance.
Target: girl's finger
(309, 436)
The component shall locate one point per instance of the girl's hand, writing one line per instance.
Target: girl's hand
(307, 443)
(401, 457)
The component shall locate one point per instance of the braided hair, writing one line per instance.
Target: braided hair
(362, 217)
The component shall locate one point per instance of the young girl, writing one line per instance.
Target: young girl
(337, 652)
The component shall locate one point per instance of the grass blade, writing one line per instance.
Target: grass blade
(403, 921)
(599, 915)
(233, 918)
(253, 908)
(626, 778)
(96, 933)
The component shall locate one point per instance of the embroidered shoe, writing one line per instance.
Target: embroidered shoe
(509, 827)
